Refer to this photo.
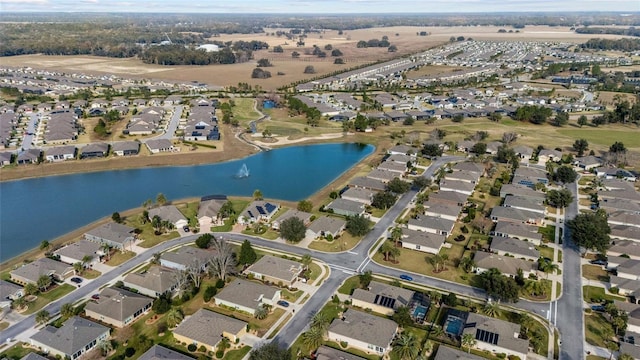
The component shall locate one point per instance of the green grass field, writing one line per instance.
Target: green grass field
(605, 136)
(48, 297)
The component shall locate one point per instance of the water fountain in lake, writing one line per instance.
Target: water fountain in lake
(243, 172)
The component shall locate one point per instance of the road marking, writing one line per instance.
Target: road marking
(351, 252)
(342, 268)
(363, 264)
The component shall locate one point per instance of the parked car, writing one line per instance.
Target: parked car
(186, 228)
(95, 296)
(406, 277)
(598, 262)
(599, 308)
(283, 303)
(76, 280)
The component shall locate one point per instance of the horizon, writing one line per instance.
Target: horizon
(320, 7)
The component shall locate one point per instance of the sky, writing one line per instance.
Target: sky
(318, 6)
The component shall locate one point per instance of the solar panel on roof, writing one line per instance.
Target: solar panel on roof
(270, 207)
(261, 210)
(250, 213)
(486, 336)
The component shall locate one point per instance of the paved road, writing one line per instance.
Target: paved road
(172, 126)
(31, 129)
(570, 320)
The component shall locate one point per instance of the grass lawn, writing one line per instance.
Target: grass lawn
(594, 325)
(331, 311)
(3, 325)
(16, 352)
(269, 234)
(603, 136)
(315, 271)
(349, 285)
(375, 212)
(260, 326)
(547, 292)
(48, 297)
(120, 257)
(238, 354)
(228, 225)
(594, 272)
(548, 233)
(244, 110)
(559, 256)
(291, 296)
(545, 251)
(91, 274)
(597, 294)
(345, 242)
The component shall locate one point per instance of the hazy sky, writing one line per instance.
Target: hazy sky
(318, 6)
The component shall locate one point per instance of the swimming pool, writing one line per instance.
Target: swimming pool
(453, 326)
(419, 312)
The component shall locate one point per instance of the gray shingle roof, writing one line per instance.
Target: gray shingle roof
(126, 146)
(523, 202)
(207, 326)
(43, 266)
(327, 224)
(276, 267)
(188, 255)
(442, 208)
(368, 183)
(113, 232)
(347, 205)
(79, 249)
(157, 279)
(168, 212)
(401, 296)
(327, 353)
(422, 238)
(304, 216)
(246, 293)
(514, 247)
(7, 289)
(33, 356)
(506, 331)
(513, 214)
(506, 264)
(118, 304)
(447, 353)
(518, 230)
(73, 336)
(158, 352)
(210, 208)
(364, 327)
(448, 196)
(358, 193)
(432, 222)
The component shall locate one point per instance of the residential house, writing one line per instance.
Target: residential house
(630, 348)
(404, 150)
(431, 224)
(522, 191)
(493, 146)
(612, 173)
(160, 145)
(33, 356)
(518, 231)
(626, 287)
(60, 153)
(304, 216)
(94, 150)
(501, 213)
(462, 187)
(529, 177)
(514, 247)
(587, 162)
(276, 270)
(152, 282)
(247, 296)
(116, 235)
(463, 176)
(364, 182)
(10, 291)
(443, 210)
(382, 175)
(448, 353)
(31, 272)
(507, 265)
(258, 211)
(629, 269)
(5, 158)
(615, 204)
(209, 210)
(633, 311)
(360, 195)
(422, 241)
(449, 197)
(206, 328)
(325, 226)
(77, 251)
(126, 148)
(549, 155)
(201, 130)
(346, 207)
(173, 100)
(625, 232)
(624, 218)
(186, 257)
(381, 298)
(465, 145)
(171, 214)
(327, 353)
(29, 156)
(363, 331)
(118, 307)
(143, 124)
(159, 352)
(394, 167)
(524, 153)
(523, 203)
(400, 158)
(495, 335)
(72, 340)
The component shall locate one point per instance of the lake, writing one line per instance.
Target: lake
(33, 210)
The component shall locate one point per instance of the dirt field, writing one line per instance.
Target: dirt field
(404, 37)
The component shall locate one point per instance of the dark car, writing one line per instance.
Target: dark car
(76, 280)
(95, 296)
(599, 262)
(406, 277)
(185, 228)
(599, 308)
(283, 303)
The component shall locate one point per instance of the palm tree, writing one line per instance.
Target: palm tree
(86, 260)
(261, 313)
(468, 341)
(427, 348)
(418, 210)
(45, 245)
(257, 195)
(491, 308)
(534, 287)
(437, 331)
(30, 289)
(625, 357)
(395, 253)
(320, 321)
(174, 317)
(406, 346)
(396, 235)
(19, 303)
(67, 310)
(42, 317)
(106, 249)
(313, 338)
(386, 248)
(224, 344)
(306, 260)
(44, 282)
(77, 268)
(105, 346)
(435, 297)
(467, 264)
(548, 267)
(437, 261)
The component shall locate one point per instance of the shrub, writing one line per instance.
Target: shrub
(192, 347)
(344, 344)
(220, 354)
(202, 348)
(464, 230)
(220, 283)
(209, 292)
(501, 355)
(162, 327)
(129, 352)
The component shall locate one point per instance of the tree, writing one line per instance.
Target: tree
(293, 229)
(398, 186)
(468, 341)
(509, 137)
(313, 338)
(259, 73)
(386, 249)
(67, 310)
(580, 146)
(431, 150)
(30, 289)
(174, 317)
(582, 120)
(365, 279)
(336, 53)
(590, 231)
(357, 225)
(495, 116)
(437, 261)
(458, 118)
(559, 198)
(383, 200)
(295, 54)
(491, 308)
(499, 286)
(247, 255)
(338, 61)
(396, 235)
(420, 182)
(42, 317)
(162, 304)
(264, 63)
(161, 199)
(224, 262)
(261, 312)
(270, 351)
(305, 205)
(278, 49)
(105, 347)
(406, 346)
(467, 264)
(77, 268)
(45, 245)
(566, 174)
(625, 357)
(204, 241)
(309, 69)
(44, 281)
(479, 148)
(257, 195)
(561, 119)
(116, 217)
(321, 321)
(402, 316)
(209, 292)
